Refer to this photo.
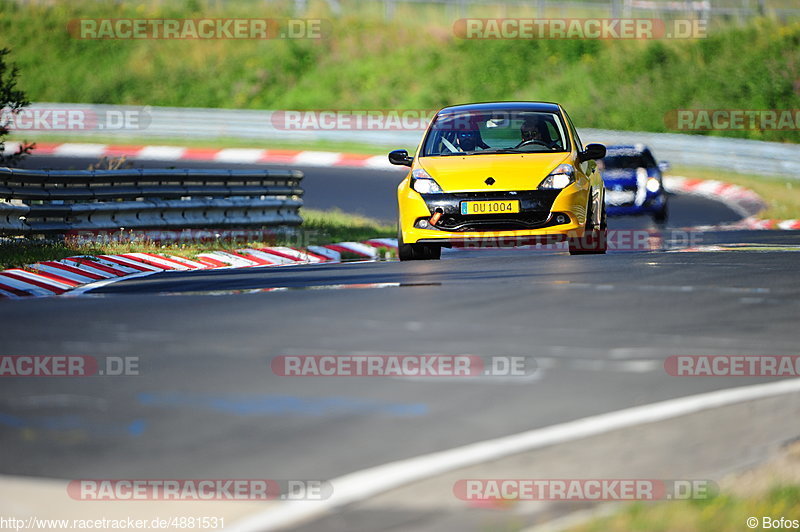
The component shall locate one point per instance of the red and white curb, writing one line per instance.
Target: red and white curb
(741, 200)
(216, 155)
(77, 274)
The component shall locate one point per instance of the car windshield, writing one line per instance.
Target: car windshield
(626, 162)
(486, 132)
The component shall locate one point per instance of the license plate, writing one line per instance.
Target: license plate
(489, 207)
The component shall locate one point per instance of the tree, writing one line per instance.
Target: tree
(12, 101)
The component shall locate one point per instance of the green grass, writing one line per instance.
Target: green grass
(723, 513)
(414, 63)
(319, 227)
(337, 226)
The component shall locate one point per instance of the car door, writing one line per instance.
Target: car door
(589, 171)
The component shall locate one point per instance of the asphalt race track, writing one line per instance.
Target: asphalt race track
(206, 403)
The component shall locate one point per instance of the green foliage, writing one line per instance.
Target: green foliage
(724, 513)
(12, 100)
(319, 228)
(366, 63)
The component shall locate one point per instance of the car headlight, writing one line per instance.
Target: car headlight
(653, 185)
(423, 183)
(561, 177)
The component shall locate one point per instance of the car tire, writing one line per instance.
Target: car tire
(604, 216)
(661, 216)
(417, 251)
(594, 240)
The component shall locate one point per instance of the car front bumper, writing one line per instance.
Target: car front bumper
(545, 216)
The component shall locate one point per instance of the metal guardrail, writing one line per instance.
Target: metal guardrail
(47, 202)
(723, 153)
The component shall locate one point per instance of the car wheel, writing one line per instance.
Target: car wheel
(660, 217)
(594, 240)
(417, 251)
(604, 216)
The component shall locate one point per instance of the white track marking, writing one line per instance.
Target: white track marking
(162, 261)
(80, 150)
(361, 485)
(72, 276)
(358, 248)
(233, 260)
(40, 278)
(161, 153)
(80, 290)
(239, 155)
(317, 158)
(128, 260)
(26, 287)
(299, 255)
(87, 268)
(325, 252)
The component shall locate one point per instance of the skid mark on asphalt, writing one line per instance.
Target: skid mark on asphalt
(281, 405)
(74, 424)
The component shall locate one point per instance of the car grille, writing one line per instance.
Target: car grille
(534, 212)
(493, 222)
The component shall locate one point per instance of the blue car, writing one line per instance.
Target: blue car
(633, 182)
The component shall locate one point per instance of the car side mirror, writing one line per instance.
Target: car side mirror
(664, 166)
(400, 157)
(592, 151)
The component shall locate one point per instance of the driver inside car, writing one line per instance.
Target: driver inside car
(534, 131)
(468, 141)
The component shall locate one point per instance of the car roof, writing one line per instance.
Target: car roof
(627, 148)
(543, 107)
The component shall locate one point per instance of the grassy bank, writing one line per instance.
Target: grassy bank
(319, 227)
(368, 63)
(725, 513)
(770, 489)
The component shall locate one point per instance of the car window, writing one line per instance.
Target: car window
(625, 162)
(474, 133)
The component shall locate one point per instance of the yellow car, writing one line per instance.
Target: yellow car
(500, 174)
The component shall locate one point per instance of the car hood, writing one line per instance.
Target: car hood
(625, 176)
(469, 173)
